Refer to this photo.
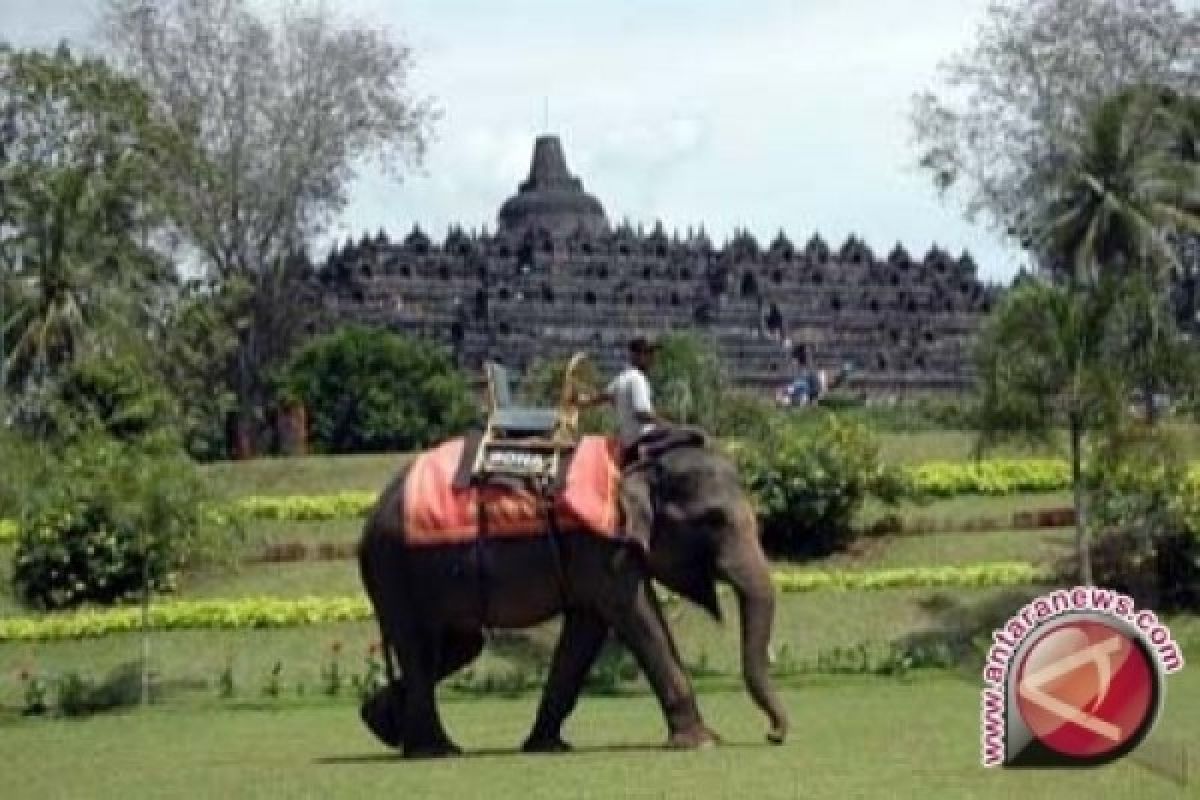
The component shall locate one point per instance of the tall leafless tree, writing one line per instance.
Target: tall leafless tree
(282, 114)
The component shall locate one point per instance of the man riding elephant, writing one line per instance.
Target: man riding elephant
(630, 394)
(685, 523)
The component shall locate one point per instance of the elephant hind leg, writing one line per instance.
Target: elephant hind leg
(383, 712)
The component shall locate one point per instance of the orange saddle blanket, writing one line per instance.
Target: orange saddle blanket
(438, 513)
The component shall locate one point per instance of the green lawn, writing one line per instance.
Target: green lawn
(938, 549)
(962, 512)
(947, 445)
(851, 738)
(306, 475)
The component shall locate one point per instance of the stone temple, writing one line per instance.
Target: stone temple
(557, 277)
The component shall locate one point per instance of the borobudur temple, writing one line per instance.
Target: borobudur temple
(557, 277)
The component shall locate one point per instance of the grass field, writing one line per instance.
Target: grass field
(851, 738)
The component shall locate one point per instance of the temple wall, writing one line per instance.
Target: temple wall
(906, 324)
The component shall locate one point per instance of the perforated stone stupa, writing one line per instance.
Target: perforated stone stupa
(556, 277)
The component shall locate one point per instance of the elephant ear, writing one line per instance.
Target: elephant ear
(637, 508)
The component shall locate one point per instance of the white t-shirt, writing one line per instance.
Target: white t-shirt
(631, 394)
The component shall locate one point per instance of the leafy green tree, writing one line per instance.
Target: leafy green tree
(688, 379)
(1069, 352)
(118, 395)
(79, 206)
(195, 361)
(370, 390)
(1044, 360)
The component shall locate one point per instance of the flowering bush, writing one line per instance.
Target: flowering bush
(106, 519)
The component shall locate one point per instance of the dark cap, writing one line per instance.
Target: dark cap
(642, 345)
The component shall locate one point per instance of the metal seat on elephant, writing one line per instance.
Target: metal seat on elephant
(510, 420)
(527, 442)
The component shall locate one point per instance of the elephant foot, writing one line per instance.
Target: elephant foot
(380, 712)
(698, 738)
(545, 744)
(436, 749)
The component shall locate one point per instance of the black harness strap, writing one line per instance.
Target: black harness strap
(553, 534)
(481, 576)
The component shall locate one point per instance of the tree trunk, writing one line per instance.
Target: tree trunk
(293, 430)
(1148, 400)
(144, 693)
(1082, 544)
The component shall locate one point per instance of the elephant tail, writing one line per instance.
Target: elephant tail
(375, 554)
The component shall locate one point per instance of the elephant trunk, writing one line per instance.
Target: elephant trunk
(756, 605)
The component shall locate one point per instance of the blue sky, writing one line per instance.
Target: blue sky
(763, 115)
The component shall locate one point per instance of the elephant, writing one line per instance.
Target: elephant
(687, 524)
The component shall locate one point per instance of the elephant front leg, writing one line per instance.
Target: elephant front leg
(582, 636)
(639, 622)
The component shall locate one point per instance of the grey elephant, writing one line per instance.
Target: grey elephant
(688, 525)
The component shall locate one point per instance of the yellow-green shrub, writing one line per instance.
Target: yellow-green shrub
(991, 477)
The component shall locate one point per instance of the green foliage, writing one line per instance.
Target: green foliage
(991, 477)
(841, 400)
(78, 696)
(542, 384)
(1148, 533)
(117, 396)
(104, 519)
(196, 363)
(369, 390)
(745, 415)
(931, 413)
(80, 200)
(300, 508)
(810, 482)
(688, 380)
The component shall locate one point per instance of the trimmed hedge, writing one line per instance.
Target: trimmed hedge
(266, 612)
(303, 508)
(989, 477)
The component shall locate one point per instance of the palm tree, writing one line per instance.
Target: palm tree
(1069, 350)
(76, 211)
(1127, 189)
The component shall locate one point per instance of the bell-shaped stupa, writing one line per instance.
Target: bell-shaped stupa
(551, 199)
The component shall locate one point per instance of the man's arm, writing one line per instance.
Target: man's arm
(607, 395)
(593, 400)
(643, 406)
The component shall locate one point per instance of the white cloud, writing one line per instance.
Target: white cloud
(768, 115)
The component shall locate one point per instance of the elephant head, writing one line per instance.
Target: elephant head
(688, 511)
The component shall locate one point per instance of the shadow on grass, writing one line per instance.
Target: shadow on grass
(500, 752)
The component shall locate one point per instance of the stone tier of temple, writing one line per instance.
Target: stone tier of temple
(555, 278)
